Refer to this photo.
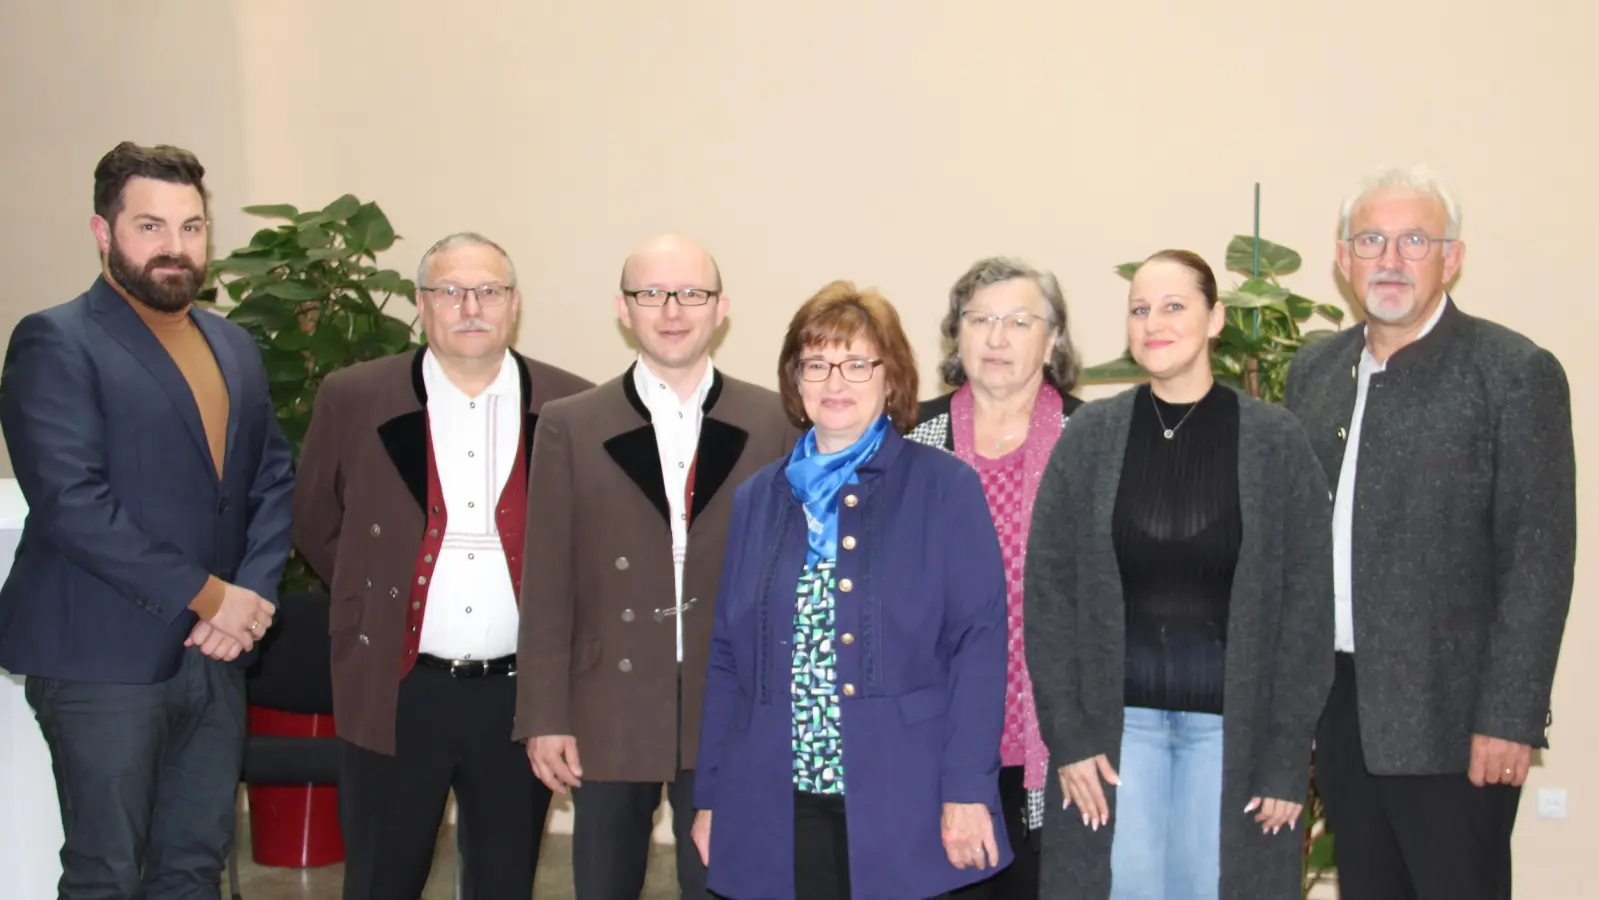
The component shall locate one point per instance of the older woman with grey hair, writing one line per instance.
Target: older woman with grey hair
(1013, 367)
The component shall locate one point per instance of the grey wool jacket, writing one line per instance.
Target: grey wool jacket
(1279, 656)
(1463, 544)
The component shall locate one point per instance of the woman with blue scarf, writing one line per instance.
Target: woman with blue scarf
(856, 690)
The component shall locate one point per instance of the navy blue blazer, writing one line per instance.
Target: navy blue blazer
(921, 656)
(126, 514)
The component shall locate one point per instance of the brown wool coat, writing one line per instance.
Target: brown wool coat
(358, 521)
(595, 660)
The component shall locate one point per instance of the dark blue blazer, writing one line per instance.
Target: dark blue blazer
(126, 514)
(922, 646)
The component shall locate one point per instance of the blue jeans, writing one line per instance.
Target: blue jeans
(146, 775)
(1167, 843)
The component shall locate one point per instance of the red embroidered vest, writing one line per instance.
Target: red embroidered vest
(510, 516)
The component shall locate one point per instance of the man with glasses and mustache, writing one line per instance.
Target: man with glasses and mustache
(158, 486)
(411, 505)
(628, 512)
(1453, 552)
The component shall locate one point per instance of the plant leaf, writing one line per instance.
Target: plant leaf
(268, 238)
(369, 230)
(388, 281)
(238, 265)
(1127, 269)
(342, 208)
(1330, 312)
(1117, 371)
(1275, 259)
(1245, 300)
(272, 211)
(290, 290)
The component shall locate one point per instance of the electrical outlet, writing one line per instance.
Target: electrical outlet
(1552, 803)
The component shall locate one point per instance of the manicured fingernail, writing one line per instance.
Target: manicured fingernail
(1085, 818)
(1277, 829)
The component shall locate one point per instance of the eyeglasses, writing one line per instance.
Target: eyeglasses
(685, 297)
(1412, 245)
(1015, 323)
(449, 296)
(855, 370)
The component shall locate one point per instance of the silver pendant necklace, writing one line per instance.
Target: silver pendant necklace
(1169, 433)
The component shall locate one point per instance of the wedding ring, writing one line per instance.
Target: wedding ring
(256, 625)
(1508, 771)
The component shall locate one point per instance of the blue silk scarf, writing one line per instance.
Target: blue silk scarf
(818, 477)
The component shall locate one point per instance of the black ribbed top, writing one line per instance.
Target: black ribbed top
(1177, 531)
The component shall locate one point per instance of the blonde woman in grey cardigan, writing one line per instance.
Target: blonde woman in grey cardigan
(1178, 615)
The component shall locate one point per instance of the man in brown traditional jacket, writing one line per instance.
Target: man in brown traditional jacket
(411, 502)
(629, 501)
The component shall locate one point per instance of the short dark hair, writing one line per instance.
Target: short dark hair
(129, 160)
(1195, 263)
(838, 314)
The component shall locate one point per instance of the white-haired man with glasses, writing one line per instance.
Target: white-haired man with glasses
(1448, 440)
(411, 503)
(629, 510)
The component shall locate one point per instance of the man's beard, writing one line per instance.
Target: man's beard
(170, 293)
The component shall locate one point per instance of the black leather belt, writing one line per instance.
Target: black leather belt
(469, 668)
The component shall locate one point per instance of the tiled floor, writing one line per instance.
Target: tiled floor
(554, 878)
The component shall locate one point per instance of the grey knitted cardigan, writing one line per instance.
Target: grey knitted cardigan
(1279, 640)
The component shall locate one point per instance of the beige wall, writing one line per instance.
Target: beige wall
(887, 142)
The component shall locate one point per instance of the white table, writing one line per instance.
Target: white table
(30, 819)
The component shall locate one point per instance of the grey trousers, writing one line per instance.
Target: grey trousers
(146, 775)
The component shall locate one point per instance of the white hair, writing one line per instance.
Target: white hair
(463, 239)
(1417, 179)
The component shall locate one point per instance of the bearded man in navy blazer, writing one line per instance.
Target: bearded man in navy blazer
(158, 486)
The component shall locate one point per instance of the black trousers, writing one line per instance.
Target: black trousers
(1019, 880)
(451, 733)
(821, 848)
(611, 826)
(1407, 837)
(147, 776)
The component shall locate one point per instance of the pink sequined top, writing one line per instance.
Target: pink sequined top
(1002, 484)
(1011, 484)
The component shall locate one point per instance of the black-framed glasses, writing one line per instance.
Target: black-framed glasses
(1412, 245)
(854, 369)
(658, 297)
(449, 296)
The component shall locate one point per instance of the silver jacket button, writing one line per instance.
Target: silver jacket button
(621, 563)
(627, 615)
(364, 639)
(625, 665)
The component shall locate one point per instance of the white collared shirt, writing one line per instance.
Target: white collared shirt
(1344, 504)
(677, 439)
(471, 610)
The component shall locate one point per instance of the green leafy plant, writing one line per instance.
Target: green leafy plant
(1265, 323)
(1264, 330)
(311, 293)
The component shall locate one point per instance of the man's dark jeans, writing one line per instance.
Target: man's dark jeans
(146, 775)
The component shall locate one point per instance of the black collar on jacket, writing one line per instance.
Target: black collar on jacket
(637, 453)
(405, 436)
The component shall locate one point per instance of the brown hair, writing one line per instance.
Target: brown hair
(1195, 263)
(838, 314)
(129, 160)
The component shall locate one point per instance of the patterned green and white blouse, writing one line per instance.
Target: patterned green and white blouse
(818, 745)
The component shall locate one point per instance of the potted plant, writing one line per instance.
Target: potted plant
(311, 293)
(1264, 329)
